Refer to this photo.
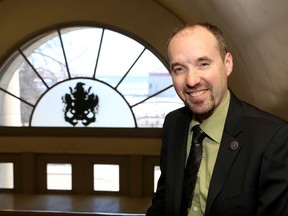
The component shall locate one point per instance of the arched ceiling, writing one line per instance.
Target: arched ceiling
(256, 32)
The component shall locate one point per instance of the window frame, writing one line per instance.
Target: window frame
(137, 131)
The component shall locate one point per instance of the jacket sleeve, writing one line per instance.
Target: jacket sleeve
(273, 179)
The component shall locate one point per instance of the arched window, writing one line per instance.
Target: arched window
(85, 77)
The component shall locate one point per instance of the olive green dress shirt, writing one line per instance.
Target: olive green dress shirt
(213, 127)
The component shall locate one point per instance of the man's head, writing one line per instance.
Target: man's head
(200, 65)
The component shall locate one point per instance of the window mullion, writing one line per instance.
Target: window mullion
(64, 54)
(130, 68)
(33, 68)
(99, 50)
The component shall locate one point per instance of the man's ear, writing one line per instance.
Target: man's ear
(228, 61)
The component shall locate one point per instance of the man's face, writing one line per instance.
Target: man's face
(198, 72)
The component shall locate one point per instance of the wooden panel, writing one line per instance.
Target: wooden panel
(42, 213)
(49, 204)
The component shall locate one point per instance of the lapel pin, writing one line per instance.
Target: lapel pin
(234, 145)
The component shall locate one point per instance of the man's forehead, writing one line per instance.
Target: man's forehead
(193, 36)
(193, 30)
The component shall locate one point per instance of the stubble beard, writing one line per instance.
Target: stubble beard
(203, 109)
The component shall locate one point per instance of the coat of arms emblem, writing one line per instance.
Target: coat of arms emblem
(80, 105)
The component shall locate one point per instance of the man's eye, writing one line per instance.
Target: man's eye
(178, 69)
(204, 65)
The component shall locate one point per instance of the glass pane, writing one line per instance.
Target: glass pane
(147, 77)
(106, 177)
(117, 55)
(59, 176)
(157, 174)
(6, 176)
(75, 105)
(152, 112)
(46, 56)
(13, 111)
(81, 48)
(9, 69)
(24, 83)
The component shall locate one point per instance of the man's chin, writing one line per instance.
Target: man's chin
(202, 111)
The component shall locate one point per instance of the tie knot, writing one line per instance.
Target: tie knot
(198, 135)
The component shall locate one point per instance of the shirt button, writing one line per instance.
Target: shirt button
(195, 208)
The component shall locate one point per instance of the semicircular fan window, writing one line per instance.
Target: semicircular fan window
(85, 77)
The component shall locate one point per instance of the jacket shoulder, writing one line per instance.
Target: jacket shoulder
(253, 113)
(182, 111)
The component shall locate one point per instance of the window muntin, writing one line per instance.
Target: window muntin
(109, 58)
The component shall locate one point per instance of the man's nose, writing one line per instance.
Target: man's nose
(192, 78)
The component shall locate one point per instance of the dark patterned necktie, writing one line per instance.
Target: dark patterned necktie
(192, 168)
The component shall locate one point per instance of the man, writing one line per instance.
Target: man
(244, 165)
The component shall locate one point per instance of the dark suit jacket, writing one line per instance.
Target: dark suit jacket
(250, 176)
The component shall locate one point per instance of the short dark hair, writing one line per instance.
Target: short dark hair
(218, 34)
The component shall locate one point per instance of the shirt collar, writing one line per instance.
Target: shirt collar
(214, 125)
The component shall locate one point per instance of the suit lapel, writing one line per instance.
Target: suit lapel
(177, 163)
(228, 151)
